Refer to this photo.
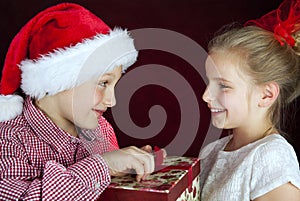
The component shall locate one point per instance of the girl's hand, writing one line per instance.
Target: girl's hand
(126, 160)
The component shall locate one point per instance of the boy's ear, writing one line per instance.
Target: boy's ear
(270, 93)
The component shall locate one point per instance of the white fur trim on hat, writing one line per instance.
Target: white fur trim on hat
(69, 67)
(10, 107)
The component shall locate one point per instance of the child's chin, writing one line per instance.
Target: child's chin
(90, 125)
(218, 124)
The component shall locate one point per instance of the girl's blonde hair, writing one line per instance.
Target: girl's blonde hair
(265, 60)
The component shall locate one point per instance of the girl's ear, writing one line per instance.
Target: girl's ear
(270, 93)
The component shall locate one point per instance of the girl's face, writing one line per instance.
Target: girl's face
(231, 95)
(83, 105)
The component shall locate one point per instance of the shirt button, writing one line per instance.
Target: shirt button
(73, 140)
(97, 185)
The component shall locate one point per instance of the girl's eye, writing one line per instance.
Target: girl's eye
(223, 86)
(103, 84)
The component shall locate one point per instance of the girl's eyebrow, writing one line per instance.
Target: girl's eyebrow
(221, 79)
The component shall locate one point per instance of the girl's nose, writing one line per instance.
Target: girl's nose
(207, 95)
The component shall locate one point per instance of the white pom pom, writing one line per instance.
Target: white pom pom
(10, 107)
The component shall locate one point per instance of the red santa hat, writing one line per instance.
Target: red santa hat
(58, 49)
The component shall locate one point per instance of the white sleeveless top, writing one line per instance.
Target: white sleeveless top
(249, 172)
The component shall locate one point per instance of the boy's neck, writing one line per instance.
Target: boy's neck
(68, 127)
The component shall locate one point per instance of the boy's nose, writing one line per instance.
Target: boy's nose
(110, 99)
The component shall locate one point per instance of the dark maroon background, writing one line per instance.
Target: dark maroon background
(197, 19)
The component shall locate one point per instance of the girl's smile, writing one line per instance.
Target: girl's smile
(216, 111)
(231, 95)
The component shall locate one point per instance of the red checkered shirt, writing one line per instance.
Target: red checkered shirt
(41, 161)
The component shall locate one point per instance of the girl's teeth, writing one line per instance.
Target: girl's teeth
(216, 110)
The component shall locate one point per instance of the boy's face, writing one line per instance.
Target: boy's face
(231, 95)
(83, 105)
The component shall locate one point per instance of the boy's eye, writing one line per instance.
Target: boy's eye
(103, 84)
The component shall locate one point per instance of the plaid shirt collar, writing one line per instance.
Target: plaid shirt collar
(45, 129)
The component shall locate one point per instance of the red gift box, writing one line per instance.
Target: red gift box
(176, 180)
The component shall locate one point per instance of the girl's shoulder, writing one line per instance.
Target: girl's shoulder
(273, 146)
(272, 143)
(273, 164)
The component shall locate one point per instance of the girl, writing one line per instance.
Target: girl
(57, 145)
(253, 75)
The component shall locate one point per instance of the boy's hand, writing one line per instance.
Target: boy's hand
(149, 149)
(123, 161)
(159, 154)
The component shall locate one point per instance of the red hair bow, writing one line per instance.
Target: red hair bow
(283, 22)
